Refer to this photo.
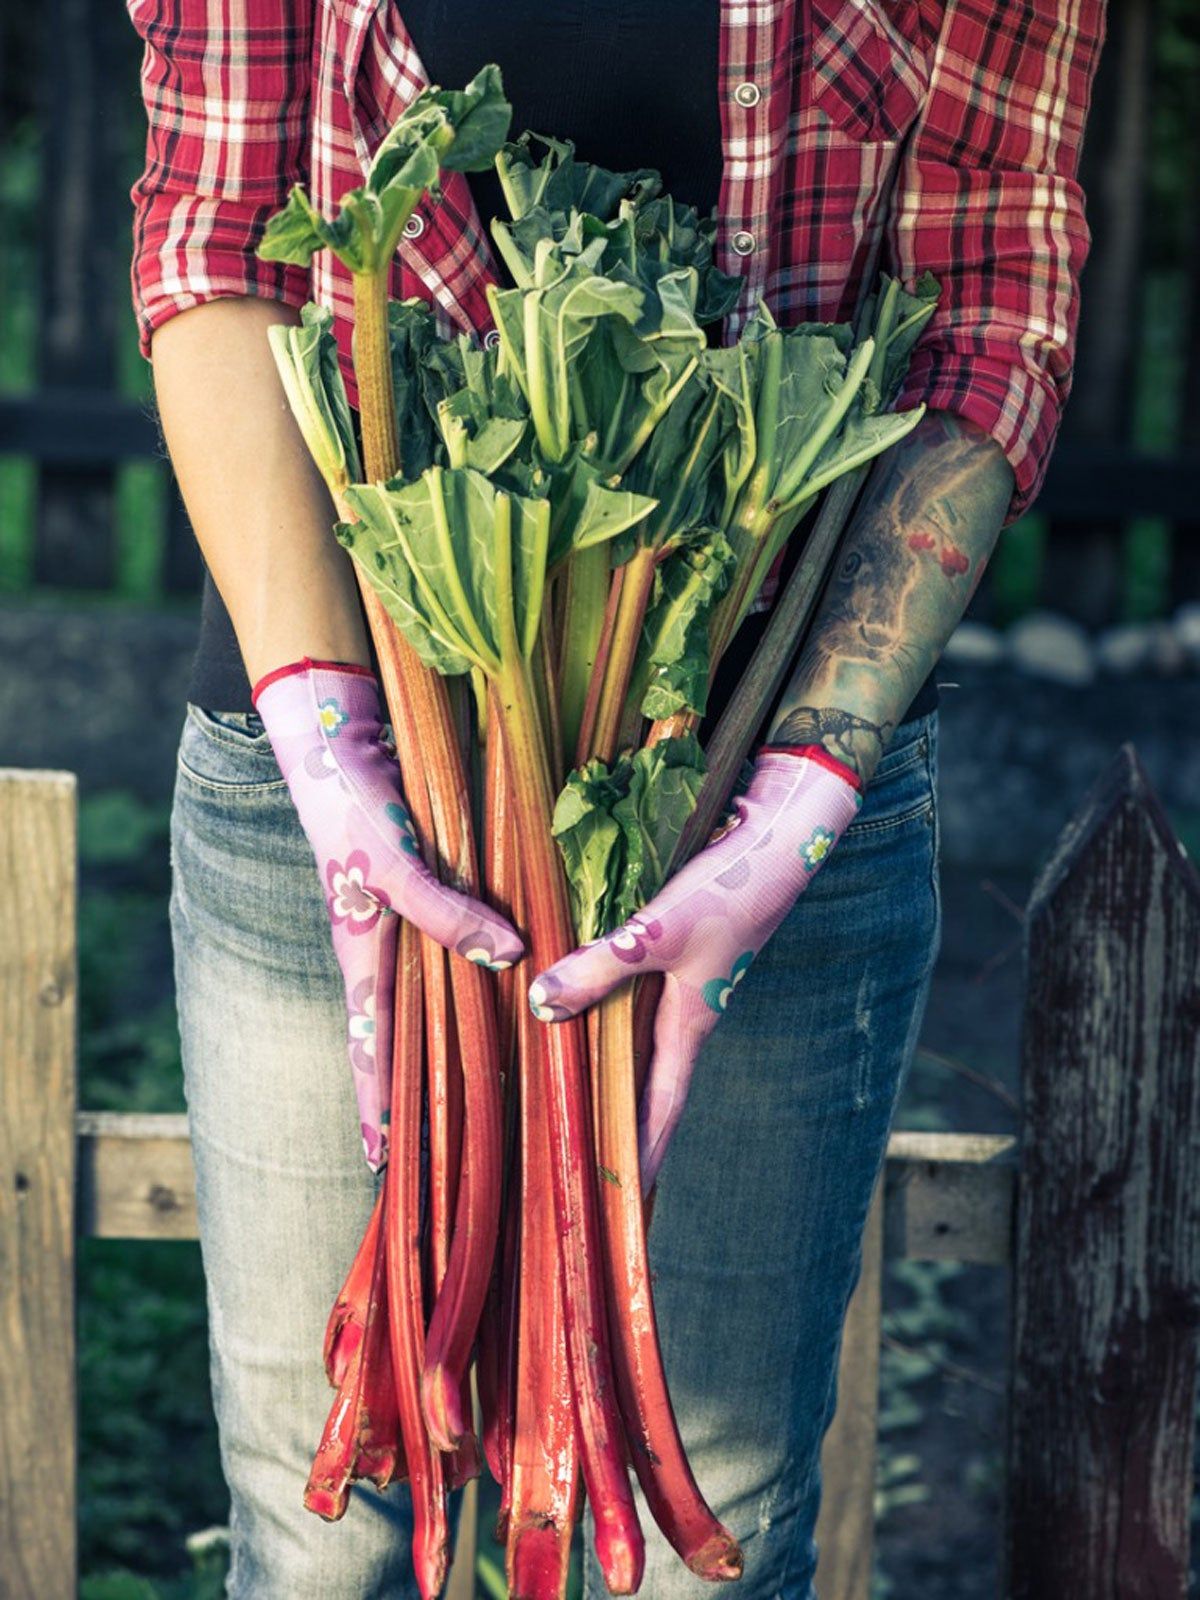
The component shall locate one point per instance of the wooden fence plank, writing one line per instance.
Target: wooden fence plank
(136, 1179)
(37, 1169)
(1107, 1284)
(950, 1197)
(846, 1524)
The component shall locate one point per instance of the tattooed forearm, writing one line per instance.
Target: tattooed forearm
(921, 537)
(854, 740)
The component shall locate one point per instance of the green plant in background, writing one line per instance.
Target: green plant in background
(209, 1553)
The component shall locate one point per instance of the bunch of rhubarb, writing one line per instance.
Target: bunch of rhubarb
(558, 533)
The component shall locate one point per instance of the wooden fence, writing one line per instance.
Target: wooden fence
(1099, 1223)
(79, 430)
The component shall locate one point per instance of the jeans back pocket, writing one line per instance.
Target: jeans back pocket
(227, 750)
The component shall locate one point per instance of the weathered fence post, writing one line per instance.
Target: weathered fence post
(37, 1185)
(846, 1526)
(1107, 1252)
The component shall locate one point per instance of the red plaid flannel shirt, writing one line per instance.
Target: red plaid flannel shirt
(246, 97)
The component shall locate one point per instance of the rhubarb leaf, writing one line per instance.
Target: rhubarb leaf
(679, 465)
(591, 841)
(897, 320)
(663, 787)
(429, 547)
(543, 331)
(617, 830)
(537, 171)
(673, 661)
(589, 509)
(307, 359)
(456, 129)
(413, 335)
(390, 577)
(860, 439)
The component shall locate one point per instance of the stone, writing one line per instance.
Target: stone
(1046, 645)
(1167, 655)
(1124, 649)
(1185, 625)
(975, 642)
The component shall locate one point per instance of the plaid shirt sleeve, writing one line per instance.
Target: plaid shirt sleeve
(226, 91)
(987, 200)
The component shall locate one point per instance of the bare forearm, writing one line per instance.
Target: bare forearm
(260, 510)
(922, 534)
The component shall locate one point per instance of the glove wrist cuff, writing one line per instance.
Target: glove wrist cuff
(817, 753)
(307, 664)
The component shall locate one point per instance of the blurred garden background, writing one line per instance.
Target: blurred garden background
(1085, 633)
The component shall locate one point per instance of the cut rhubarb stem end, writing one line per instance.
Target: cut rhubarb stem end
(719, 1560)
(538, 1561)
(441, 1402)
(622, 1558)
(329, 1504)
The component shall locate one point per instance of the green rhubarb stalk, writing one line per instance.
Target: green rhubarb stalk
(587, 586)
(617, 669)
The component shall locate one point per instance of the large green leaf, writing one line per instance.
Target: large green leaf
(432, 548)
(589, 508)
(861, 439)
(673, 660)
(543, 332)
(537, 171)
(455, 129)
(591, 841)
(672, 235)
(897, 320)
(386, 569)
(307, 359)
(664, 784)
(617, 830)
(415, 347)
(680, 464)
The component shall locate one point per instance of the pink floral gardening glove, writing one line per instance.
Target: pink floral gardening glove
(704, 928)
(324, 722)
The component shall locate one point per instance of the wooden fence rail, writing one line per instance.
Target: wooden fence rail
(1100, 1225)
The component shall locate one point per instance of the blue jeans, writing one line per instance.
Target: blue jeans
(756, 1243)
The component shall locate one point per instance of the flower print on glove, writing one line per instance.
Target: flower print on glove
(325, 726)
(704, 928)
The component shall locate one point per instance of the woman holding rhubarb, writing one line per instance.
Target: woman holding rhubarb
(282, 968)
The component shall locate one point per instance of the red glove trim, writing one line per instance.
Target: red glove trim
(817, 753)
(306, 664)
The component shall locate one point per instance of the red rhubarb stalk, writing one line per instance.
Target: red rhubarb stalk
(543, 1485)
(462, 1292)
(621, 654)
(562, 1084)
(672, 1494)
(360, 1435)
(436, 787)
(495, 1362)
(431, 1530)
(344, 1330)
(444, 1103)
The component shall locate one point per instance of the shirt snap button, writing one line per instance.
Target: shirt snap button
(414, 227)
(742, 242)
(747, 94)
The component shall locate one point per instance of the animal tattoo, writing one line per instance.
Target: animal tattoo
(917, 547)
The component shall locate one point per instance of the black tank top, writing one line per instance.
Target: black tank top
(634, 83)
